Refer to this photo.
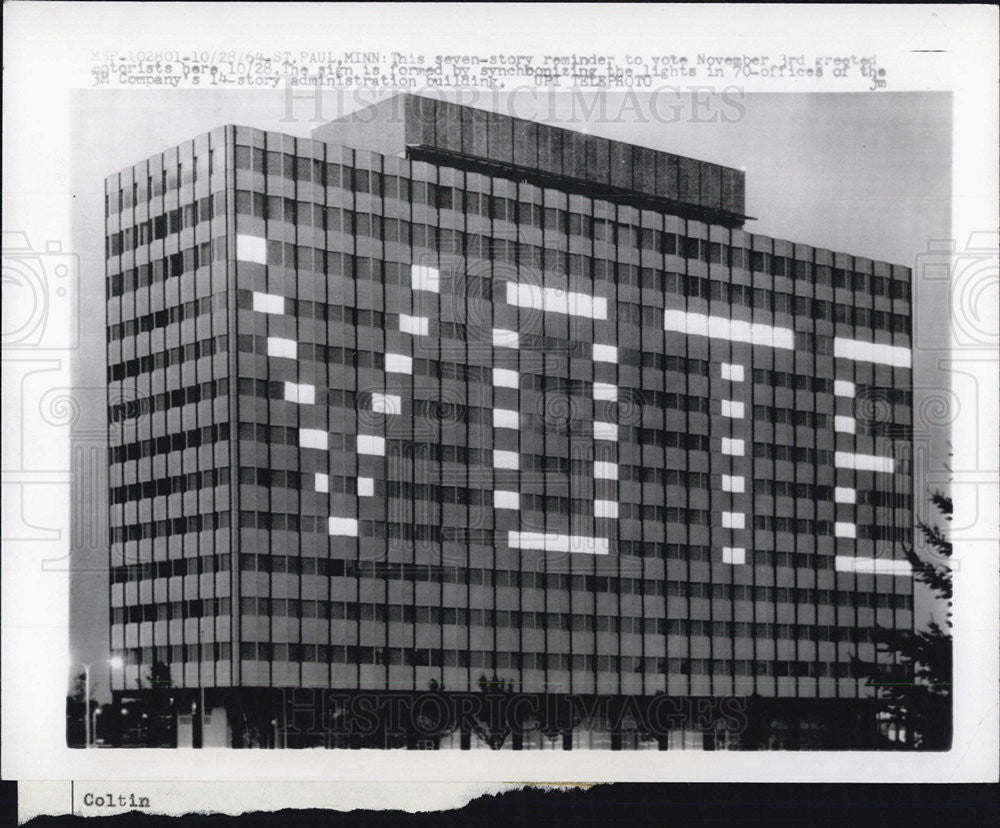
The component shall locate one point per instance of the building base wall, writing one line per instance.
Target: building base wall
(309, 718)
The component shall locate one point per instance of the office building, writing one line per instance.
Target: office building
(441, 396)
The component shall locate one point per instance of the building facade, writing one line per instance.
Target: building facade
(440, 396)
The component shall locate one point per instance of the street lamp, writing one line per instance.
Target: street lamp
(115, 662)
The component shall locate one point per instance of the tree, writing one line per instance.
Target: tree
(76, 727)
(159, 676)
(492, 724)
(161, 721)
(916, 686)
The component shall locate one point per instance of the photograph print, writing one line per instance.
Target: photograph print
(511, 422)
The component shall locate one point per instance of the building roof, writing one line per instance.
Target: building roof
(427, 129)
